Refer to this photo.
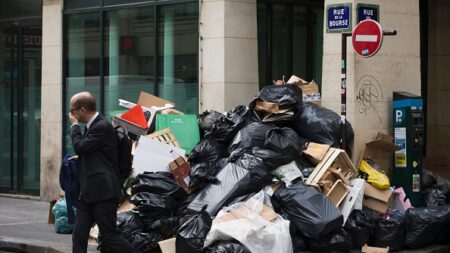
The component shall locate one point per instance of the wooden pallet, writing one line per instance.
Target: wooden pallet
(165, 136)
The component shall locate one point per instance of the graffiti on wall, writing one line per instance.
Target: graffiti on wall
(368, 94)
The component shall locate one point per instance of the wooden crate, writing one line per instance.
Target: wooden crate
(335, 158)
(165, 136)
(332, 175)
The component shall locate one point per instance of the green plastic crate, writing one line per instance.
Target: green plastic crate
(184, 127)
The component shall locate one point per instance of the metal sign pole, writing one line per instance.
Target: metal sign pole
(344, 88)
(345, 35)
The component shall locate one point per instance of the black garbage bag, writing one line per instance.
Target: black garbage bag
(202, 174)
(321, 125)
(390, 231)
(337, 242)
(207, 150)
(166, 226)
(425, 224)
(182, 206)
(283, 95)
(428, 180)
(227, 247)
(246, 175)
(360, 226)
(434, 197)
(444, 186)
(305, 165)
(225, 128)
(252, 135)
(147, 242)
(128, 224)
(192, 234)
(151, 206)
(312, 212)
(132, 228)
(207, 119)
(285, 141)
(287, 97)
(271, 158)
(160, 183)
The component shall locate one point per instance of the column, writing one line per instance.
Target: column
(228, 54)
(51, 107)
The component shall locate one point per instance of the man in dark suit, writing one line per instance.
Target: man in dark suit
(99, 183)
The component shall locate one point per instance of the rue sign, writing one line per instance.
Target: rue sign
(367, 38)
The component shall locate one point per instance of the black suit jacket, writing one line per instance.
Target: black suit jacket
(98, 161)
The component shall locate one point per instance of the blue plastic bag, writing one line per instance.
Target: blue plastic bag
(59, 210)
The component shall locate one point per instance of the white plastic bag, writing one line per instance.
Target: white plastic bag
(254, 224)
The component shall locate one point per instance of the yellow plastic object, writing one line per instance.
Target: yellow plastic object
(376, 178)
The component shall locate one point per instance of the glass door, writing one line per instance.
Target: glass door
(20, 105)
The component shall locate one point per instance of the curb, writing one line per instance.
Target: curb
(18, 247)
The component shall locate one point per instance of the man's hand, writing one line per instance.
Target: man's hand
(75, 157)
(72, 119)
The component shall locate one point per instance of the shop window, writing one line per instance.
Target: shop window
(118, 52)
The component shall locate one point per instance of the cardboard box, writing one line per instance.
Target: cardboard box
(378, 200)
(180, 169)
(380, 151)
(168, 246)
(310, 91)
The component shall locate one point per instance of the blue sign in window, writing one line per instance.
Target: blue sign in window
(368, 11)
(339, 18)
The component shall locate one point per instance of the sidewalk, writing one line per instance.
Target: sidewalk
(23, 225)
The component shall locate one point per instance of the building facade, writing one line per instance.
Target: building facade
(210, 54)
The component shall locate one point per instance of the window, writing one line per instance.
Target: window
(118, 52)
(290, 38)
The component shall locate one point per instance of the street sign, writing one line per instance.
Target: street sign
(368, 11)
(367, 38)
(339, 17)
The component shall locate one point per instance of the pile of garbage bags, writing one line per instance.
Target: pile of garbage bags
(239, 203)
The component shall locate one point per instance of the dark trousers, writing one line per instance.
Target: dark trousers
(104, 213)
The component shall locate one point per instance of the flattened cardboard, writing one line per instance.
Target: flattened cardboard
(378, 200)
(316, 152)
(267, 106)
(148, 100)
(168, 246)
(380, 151)
(367, 249)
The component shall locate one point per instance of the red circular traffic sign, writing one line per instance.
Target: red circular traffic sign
(367, 38)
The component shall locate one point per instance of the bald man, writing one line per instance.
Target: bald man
(99, 176)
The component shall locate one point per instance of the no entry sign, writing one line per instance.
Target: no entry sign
(367, 38)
